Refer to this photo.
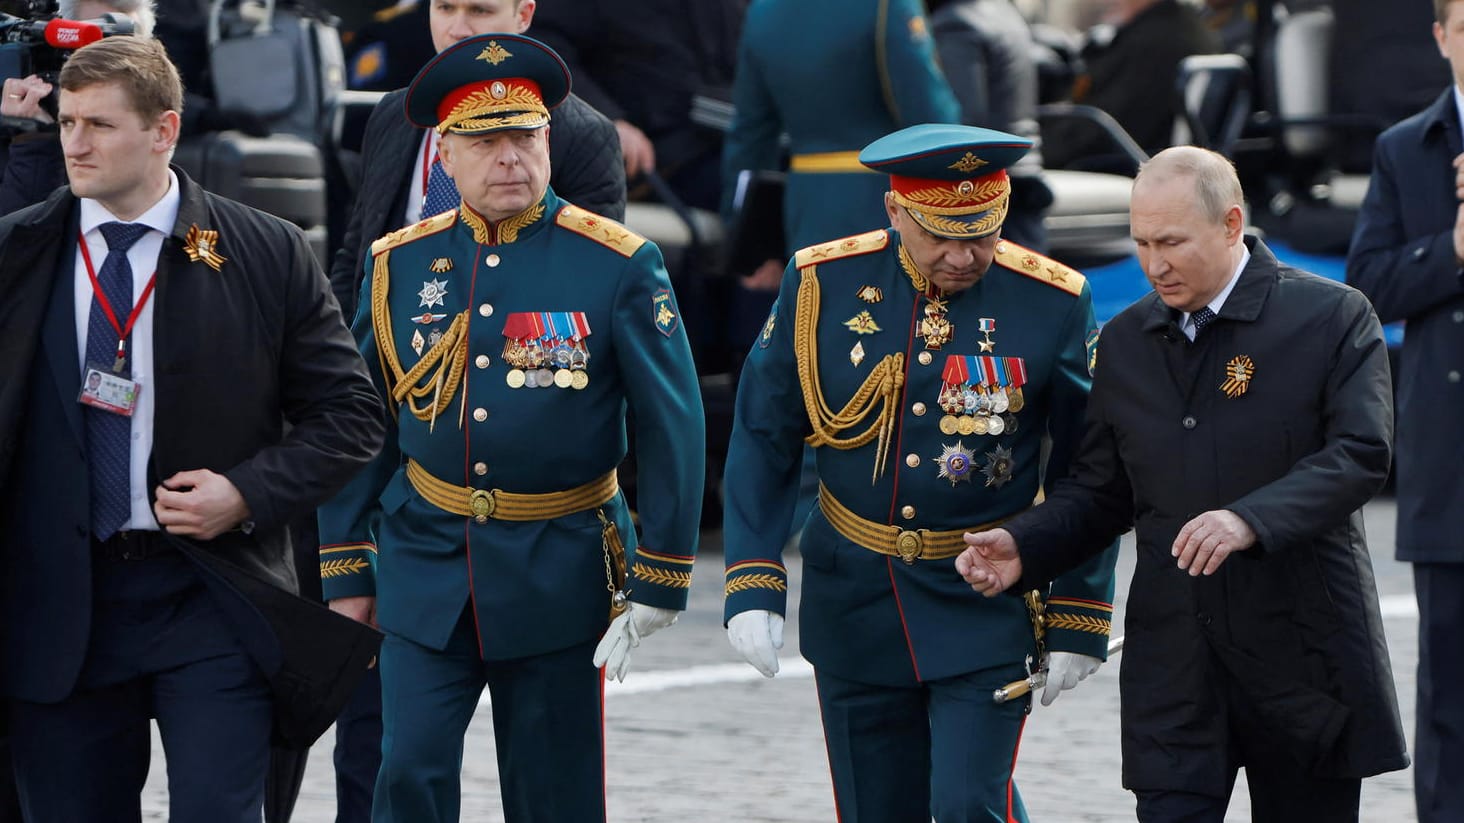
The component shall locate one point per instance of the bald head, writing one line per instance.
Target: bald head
(1217, 188)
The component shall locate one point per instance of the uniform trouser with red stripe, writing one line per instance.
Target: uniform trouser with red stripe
(938, 749)
(548, 724)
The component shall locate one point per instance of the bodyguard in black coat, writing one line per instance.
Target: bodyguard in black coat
(1406, 255)
(584, 151)
(106, 623)
(1240, 418)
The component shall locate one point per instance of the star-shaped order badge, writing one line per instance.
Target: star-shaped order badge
(433, 293)
(203, 245)
(998, 467)
(954, 463)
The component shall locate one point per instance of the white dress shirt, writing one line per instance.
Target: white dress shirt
(143, 257)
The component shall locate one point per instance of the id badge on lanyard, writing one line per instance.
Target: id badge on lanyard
(104, 386)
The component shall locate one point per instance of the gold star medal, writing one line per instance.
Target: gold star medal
(1238, 374)
(203, 245)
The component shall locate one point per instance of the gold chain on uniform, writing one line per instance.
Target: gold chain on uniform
(449, 355)
(883, 385)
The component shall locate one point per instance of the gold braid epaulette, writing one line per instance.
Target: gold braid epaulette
(1042, 269)
(450, 355)
(421, 228)
(883, 386)
(846, 247)
(602, 230)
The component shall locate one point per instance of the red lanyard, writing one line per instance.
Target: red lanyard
(122, 331)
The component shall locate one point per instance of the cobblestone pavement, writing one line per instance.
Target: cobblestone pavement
(695, 735)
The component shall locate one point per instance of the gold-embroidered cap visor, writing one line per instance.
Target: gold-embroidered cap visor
(488, 83)
(952, 179)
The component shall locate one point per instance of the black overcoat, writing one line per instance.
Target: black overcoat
(255, 377)
(1286, 638)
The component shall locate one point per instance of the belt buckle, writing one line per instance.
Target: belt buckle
(909, 545)
(482, 504)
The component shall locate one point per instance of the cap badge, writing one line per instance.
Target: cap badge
(966, 188)
(498, 90)
(494, 53)
(968, 164)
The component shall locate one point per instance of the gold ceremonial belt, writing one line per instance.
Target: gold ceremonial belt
(826, 162)
(908, 545)
(481, 504)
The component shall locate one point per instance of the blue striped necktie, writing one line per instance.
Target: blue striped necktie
(109, 435)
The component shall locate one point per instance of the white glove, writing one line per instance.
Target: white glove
(625, 633)
(1064, 670)
(757, 634)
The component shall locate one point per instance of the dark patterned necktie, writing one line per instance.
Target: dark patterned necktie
(442, 193)
(109, 435)
(1201, 318)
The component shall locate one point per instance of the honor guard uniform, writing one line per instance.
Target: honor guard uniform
(928, 408)
(491, 529)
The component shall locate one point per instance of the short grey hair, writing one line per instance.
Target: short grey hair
(1217, 187)
(143, 13)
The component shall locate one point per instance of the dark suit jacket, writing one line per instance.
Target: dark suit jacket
(239, 354)
(1402, 258)
(585, 168)
(1292, 624)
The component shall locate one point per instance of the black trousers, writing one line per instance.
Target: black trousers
(160, 648)
(1438, 769)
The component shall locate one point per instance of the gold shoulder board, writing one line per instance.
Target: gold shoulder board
(431, 225)
(848, 247)
(1044, 269)
(602, 230)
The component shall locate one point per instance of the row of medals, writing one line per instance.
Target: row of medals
(979, 411)
(531, 367)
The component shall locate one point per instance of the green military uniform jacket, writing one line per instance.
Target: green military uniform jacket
(856, 336)
(515, 351)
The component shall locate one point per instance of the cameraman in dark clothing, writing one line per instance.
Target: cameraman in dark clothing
(32, 160)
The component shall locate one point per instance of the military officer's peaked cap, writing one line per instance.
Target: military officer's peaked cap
(486, 83)
(951, 179)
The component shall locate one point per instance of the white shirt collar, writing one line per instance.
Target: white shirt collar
(1187, 325)
(162, 216)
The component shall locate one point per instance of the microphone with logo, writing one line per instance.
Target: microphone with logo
(40, 47)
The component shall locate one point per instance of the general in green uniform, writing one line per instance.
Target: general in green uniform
(508, 337)
(929, 365)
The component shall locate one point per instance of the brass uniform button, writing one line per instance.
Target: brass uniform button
(493, 260)
(480, 469)
(918, 409)
(486, 310)
(482, 361)
(912, 460)
(908, 512)
(925, 357)
(480, 415)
